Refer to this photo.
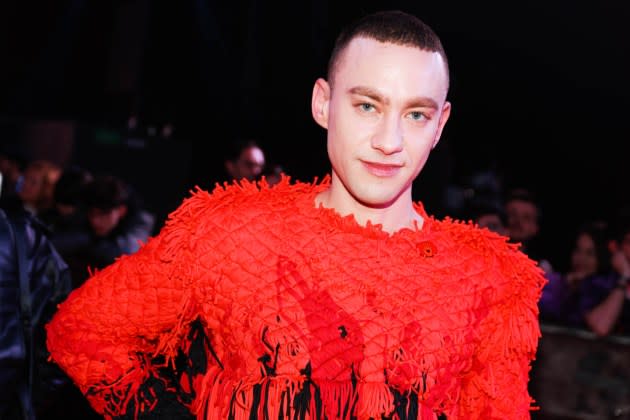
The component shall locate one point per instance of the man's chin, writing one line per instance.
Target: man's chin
(376, 202)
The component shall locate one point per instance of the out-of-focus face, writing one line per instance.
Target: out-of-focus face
(32, 186)
(103, 222)
(522, 220)
(584, 256)
(249, 165)
(492, 222)
(384, 111)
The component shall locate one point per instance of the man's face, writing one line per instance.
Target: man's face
(103, 222)
(33, 186)
(249, 164)
(492, 222)
(384, 114)
(584, 256)
(522, 220)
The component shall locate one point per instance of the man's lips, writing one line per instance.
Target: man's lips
(382, 169)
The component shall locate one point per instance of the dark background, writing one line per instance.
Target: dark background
(540, 90)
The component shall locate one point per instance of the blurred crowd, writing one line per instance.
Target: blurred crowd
(94, 218)
(91, 219)
(588, 283)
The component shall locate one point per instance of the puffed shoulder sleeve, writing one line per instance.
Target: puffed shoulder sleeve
(106, 334)
(497, 385)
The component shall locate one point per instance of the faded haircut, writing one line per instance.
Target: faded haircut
(391, 26)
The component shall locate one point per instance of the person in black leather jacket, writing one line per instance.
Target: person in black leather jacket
(26, 305)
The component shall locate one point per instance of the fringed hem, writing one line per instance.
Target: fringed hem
(374, 400)
(123, 392)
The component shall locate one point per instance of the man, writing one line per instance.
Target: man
(523, 225)
(522, 215)
(67, 219)
(486, 214)
(117, 225)
(244, 160)
(337, 299)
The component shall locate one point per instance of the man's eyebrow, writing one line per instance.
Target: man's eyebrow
(370, 93)
(419, 102)
(422, 102)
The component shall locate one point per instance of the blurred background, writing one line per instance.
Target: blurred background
(156, 93)
(155, 90)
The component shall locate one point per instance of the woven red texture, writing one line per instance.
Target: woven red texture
(447, 311)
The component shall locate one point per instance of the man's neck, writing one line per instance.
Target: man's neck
(400, 214)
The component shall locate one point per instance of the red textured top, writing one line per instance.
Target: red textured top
(294, 298)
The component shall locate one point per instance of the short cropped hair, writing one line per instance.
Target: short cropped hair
(235, 148)
(71, 186)
(475, 209)
(106, 192)
(392, 26)
(526, 195)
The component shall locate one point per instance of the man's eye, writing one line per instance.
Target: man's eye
(367, 107)
(417, 116)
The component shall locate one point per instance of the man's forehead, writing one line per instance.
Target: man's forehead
(253, 153)
(365, 57)
(364, 46)
(522, 207)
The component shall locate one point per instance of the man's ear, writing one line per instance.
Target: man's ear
(320, 102)
(446, 112)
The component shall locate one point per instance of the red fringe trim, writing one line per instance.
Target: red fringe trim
(335, 396)
(375, 399)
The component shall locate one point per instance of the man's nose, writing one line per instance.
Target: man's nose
(389, 137)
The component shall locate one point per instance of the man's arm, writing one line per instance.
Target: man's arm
(106, 334)
(602, 318)
(604, 312)
(497, 385)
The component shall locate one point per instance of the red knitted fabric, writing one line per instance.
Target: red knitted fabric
(291, 295)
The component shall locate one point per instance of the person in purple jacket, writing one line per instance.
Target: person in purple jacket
(564, 299)
(607, 300)
(591, 294)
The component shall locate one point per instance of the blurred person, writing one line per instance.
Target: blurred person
(37, 187)
(273, 173)
(67, 220)
(568, 297)
(68, 210)
(523, 214)
(245, 159)
(609, 298)
(481, 185)
(117, 225)
(486, 214)
(34, 279)
(340, 298)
